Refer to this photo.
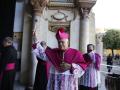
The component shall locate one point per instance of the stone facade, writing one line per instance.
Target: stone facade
(64, 15)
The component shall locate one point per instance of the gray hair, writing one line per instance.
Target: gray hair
(43, 43)
(8, 40)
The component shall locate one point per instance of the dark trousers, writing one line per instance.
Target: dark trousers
(109, 67)
(7, 81)
(87, 88)
(41, 77)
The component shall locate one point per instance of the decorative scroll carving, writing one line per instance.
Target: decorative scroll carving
(39, 5)
(85, 7)
(59, 16)
(53, 26)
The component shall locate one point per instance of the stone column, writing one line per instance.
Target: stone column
(92, 33)
(85, 7)
(84, 30)
(99, 44)
(38, 8)
(26, 61)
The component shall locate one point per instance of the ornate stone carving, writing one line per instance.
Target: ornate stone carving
(85, 6)
(59, 16)
(84, 12)
(53, 26)
(61, 3)
(39, 5)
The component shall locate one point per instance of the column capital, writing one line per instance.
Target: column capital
(84, 12)
(85, 6)
(38, 5)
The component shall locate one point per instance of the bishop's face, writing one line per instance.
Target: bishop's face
(63, 44)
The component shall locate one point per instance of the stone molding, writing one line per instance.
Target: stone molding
(86, 3)
(53, 26)
(61, 5)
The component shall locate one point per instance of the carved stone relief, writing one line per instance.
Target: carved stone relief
(54, 26)
(84, 12)
(39, 5)
(59, 19)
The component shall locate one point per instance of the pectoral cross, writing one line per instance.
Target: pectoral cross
(63, 57)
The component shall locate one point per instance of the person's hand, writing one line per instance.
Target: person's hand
(90, 53)
(34, 45)
(91, 56)
(65, 66)
(43, 44)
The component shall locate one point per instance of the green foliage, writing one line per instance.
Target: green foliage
(111, 40)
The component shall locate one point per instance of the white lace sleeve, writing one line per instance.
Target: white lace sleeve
(78, 71)
(40, 52)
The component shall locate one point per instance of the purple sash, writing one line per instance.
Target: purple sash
(10, 66)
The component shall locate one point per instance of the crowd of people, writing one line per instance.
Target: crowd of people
(61, 68)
